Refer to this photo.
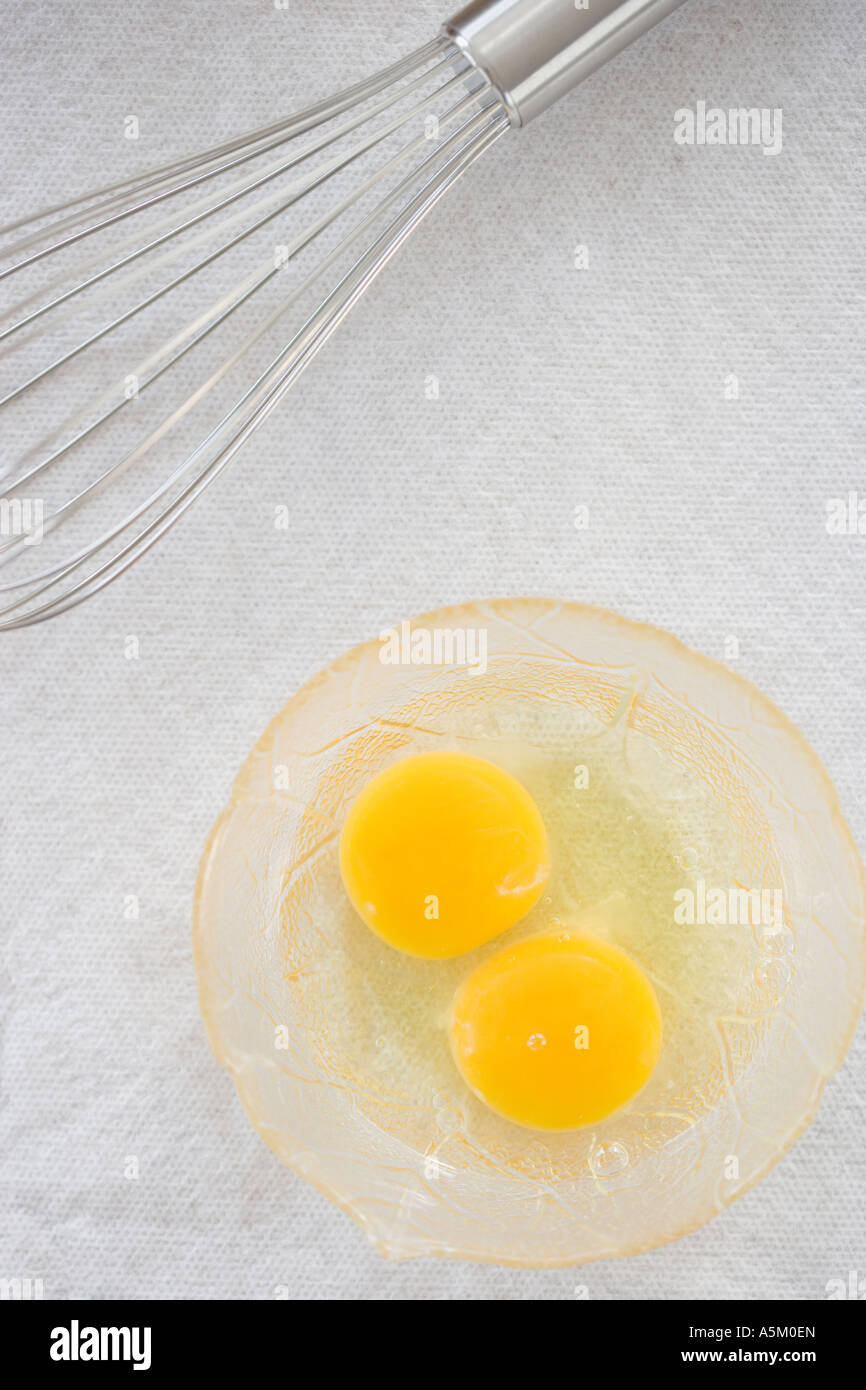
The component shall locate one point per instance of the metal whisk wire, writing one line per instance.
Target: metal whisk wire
(167, 388)
(376, 112)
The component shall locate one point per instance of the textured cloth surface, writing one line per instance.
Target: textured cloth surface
(604, 386)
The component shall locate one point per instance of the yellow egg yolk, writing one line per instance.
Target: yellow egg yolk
(441, 852)
(557, 1031)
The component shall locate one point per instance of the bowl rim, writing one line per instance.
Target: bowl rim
(774, 718)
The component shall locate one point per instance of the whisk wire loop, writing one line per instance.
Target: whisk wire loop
(166, 389)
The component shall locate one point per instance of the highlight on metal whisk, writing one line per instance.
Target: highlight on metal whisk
(146, 330)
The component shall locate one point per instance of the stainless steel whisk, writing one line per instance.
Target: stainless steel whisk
(140, 350)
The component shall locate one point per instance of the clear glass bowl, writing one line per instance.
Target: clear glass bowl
(336, 1043)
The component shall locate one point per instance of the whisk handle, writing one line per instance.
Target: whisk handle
(534, 51)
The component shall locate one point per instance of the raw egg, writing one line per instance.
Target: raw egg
(443, 851)
(557, 1031)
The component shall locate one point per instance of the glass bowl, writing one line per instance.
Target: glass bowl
(337, 1044)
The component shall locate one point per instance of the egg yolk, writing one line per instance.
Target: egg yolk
(557, 1031)
(443, 851)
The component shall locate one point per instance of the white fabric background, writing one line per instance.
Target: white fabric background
(558, 387)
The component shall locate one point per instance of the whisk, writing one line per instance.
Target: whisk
(157, 322)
